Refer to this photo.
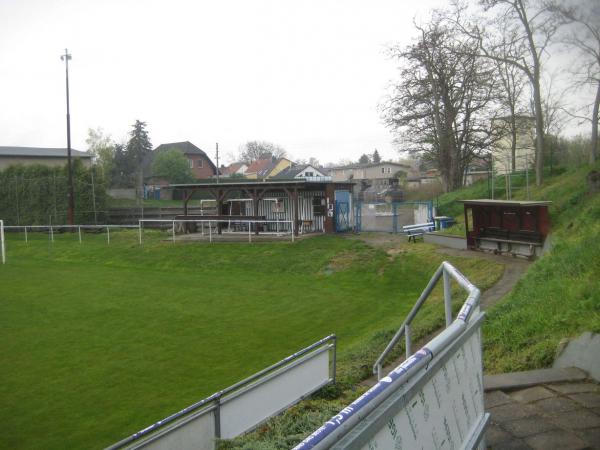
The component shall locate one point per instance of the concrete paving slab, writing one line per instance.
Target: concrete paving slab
(592, 437)
(532, 394)
(587, 399)
(556, 440)
(512, 411)
(575, 388)
(528, 426)
(494, 434)
(496, 398)
(513, 444)
(575, 420)
(519, 380)
(556, 405)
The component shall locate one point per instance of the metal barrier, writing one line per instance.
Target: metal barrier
(2, 247)
(277, 225)
(434, 399)
(52, 228)
(243, 406)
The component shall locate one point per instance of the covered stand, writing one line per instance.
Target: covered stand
(310, 206)
(519, 228)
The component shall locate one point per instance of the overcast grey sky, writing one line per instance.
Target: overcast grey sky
(308, 75)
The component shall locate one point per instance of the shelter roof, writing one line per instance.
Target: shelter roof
(488, 202)
(42, 152)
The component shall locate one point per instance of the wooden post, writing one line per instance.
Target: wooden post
(296, 212)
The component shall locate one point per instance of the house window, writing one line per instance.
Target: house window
(389, 170)
(383, 170)
(309, 174)
(200, 163)
(191, 161)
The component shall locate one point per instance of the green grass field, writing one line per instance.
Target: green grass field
(99, 341)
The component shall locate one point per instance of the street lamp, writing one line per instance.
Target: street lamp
(71, 207)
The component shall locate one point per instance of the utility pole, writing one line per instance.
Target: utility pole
(71, 207)
(217, 146)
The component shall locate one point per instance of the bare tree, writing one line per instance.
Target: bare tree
(255, 150)
(441, 108)
(523, 25)
(583, 34)
(511, 99)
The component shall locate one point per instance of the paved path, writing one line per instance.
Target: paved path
(547, 416)
(514, 269)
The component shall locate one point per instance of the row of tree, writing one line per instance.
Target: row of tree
(121, 163)
(472, 69)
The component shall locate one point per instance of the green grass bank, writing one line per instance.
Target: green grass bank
(102, 340)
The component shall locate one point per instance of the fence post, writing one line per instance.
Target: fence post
(209, 231)
(293, 230)
(140, 230)
(26, 240)
(173, 232)
(407, 336)
(2, 242)
(79, 231)
(218, 418)
(107, 235)
(250, 232)
(447, 297)
(51, 233)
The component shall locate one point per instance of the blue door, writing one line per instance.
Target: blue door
(342, 211)
(342, 216)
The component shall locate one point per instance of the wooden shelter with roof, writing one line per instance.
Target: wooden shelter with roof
(519, 228)
(311, 206)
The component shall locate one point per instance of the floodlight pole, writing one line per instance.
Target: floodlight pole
(71, 207)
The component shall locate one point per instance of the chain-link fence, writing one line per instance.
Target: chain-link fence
(391, 217)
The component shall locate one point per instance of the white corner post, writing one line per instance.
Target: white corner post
(107, 235)
(26, 239)
(2, 242)
(447, 297)
(173, 230)
(140, 230)
(79, 231)
(209, 231)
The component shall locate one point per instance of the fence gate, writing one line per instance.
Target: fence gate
(342, 217)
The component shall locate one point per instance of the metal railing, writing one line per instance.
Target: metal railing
(446, 270)
(215, 402)
(344, 424)
(278, 225)
(2, 247)
(57, 228)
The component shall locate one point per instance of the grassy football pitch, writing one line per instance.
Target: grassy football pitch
(99, 341)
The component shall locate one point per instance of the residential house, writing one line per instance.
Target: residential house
(502, 158)
(236, 168)
(303, 171)
(267, 168)
(52, 157)
(371, 171)
(200, 163)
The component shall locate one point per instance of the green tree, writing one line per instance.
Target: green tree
(138, 147)
(173, 166)
(364, 159)
(102, 147)
(376, 158)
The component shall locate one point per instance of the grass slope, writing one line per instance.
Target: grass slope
(100, 341)
(559, 296)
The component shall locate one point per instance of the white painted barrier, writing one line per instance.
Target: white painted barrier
(433, 400)
(243, 406)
